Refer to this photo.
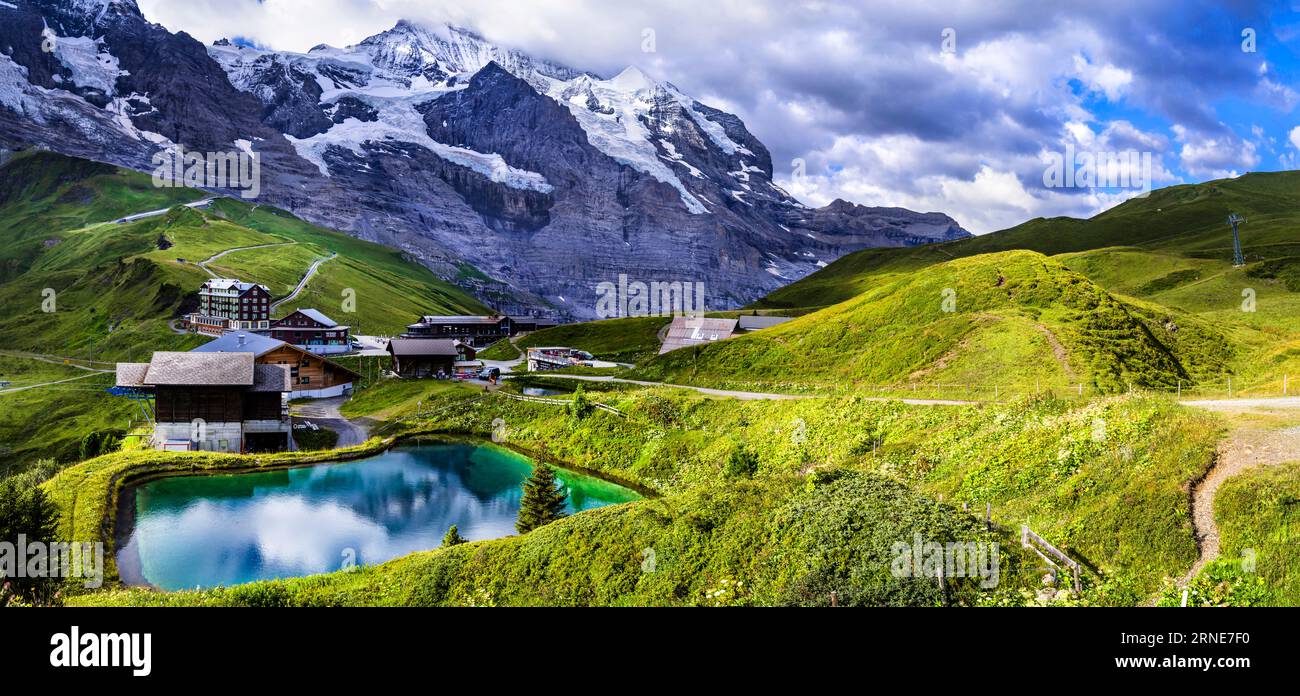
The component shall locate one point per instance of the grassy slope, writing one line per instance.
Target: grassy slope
(501, 350)
(1184, 220)
(1019, 318)
(390, 290)
(1113, 500)
(50, 421)
(115, 289)
(617, 340)
(1258, 512)
(1171, 250)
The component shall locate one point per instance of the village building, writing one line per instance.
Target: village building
(313, 332)
(696, 331)
(216, 402)
(522, 324)
(754, 322)
(428, 357)
(466, 369)
(541, 359)
(311, 376)
(477, 331)
(226, 304)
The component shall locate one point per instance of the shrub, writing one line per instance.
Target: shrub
(741, 464)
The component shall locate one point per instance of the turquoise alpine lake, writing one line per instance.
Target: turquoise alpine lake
(208, 531)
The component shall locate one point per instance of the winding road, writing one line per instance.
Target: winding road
(204, 263)
(302, 284)
(53, 360)
(203, 203)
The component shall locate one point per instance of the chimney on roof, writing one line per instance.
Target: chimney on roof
(242, 338)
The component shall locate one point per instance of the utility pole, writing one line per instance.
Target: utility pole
(1238, 259)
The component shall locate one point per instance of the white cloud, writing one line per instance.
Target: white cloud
(1295, 137)
(1216, 156)
(861, 90)
(1106, 79)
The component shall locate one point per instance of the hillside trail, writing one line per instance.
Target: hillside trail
(1244, 449)
(302, 284)
(204, 263)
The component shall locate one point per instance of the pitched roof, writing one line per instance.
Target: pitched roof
(232, 283)
(260, 345)
(131, 374)
(256, 344)
(317, 316)
(458, 320)
(424, 346)
(272, 378)
(748, 322)
(200, 369)
(694, 331)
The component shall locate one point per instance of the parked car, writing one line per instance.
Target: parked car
(489, 373)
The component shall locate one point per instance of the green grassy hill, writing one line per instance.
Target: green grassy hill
(838, 481)
(617, 340)
(1166, 258)
(1188, 222)
(78, 284)
(1011, 318)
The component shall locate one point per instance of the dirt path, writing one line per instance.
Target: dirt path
(1058, 350)
(1243, 450)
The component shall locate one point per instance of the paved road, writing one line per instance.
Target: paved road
(303, 283)
(59, 360)
(204, 263)
(11, 390)
(325, 413)
(507, 366)
(154, 213)
(1235, 405)
(749, 396)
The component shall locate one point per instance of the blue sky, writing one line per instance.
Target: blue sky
(878, 106)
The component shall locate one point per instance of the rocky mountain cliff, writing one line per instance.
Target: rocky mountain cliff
(527, 181)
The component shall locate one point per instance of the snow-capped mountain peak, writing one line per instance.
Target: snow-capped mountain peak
(632, 79)
(520, 177)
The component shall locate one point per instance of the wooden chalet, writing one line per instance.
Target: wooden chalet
(428, 357)
(476, 331)
(218, 402)
(313, 332)
(310, 375)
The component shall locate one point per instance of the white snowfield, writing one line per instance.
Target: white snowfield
(90, 63)
(389, 72)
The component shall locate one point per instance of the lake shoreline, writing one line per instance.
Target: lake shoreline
(463, 470)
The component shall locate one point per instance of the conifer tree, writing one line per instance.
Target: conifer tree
(452, 537)
(543, 501)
